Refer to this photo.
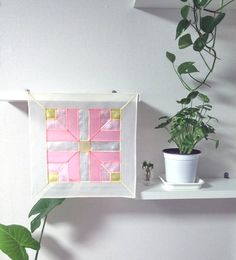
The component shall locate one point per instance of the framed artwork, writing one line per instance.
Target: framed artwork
(83, 145)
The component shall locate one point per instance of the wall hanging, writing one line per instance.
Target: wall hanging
(83, 145)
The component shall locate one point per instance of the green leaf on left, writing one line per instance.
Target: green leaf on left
(42, 208)
(187, 68)
(14, 239)
(185, 41)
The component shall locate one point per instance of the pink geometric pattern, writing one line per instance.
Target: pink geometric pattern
(83, 145)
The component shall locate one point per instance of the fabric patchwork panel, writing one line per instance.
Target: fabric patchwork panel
(83, 145)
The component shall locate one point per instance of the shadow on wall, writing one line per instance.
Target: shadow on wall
(150, 141)
(80, 213)
(57, 249)
(169, 14)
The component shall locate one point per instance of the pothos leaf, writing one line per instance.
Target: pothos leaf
(185, 11)
(204, 98)
(200, 42)
(185, 41)
(208, 23)
(170, 56)
(187, 68)
(181, 27)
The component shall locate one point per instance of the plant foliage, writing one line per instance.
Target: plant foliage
(191, 124)
(197, 29)
(14, 239)
(41, 209)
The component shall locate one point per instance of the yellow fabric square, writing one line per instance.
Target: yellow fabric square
(53, 177)
(115, 176)
(50, 113)
(84, 146)
(115, 113)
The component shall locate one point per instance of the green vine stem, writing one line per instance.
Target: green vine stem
(41, 237)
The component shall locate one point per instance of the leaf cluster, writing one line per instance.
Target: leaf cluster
(191, 124)
(197, 28)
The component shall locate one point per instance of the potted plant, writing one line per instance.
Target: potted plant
(197, 29)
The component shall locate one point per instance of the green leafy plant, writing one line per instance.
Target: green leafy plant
(14, 239)
(196, 29)
(190, 125)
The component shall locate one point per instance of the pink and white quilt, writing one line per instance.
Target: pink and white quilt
(83, 145)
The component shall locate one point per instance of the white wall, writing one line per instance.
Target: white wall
(101, 45)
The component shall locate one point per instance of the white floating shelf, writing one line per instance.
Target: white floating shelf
(214, 188)
(13, 96)
(173, 4)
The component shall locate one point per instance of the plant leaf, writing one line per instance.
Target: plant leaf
(214, 118)
(200, 43)
(187, 68)
(184, 11)
(218, 19)
(184, 101)
(208, 23)
(204, 98)
(200, 3)
(170, 56)
(163, 117)
(185, 41)
(14, 239)
(181, 27)
(42, 208)
(162, 125)
(193, 95)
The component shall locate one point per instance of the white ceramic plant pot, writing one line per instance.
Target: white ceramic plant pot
(180, 168)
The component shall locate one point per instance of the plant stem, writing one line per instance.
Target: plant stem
(212, 67)
(223, 6)
(208, 3)
(181, 80)
(199, 80)
(204, 60)
(41, 237)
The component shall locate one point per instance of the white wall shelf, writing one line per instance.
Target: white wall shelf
(13, 96)
(172, 4)
(214, 188)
